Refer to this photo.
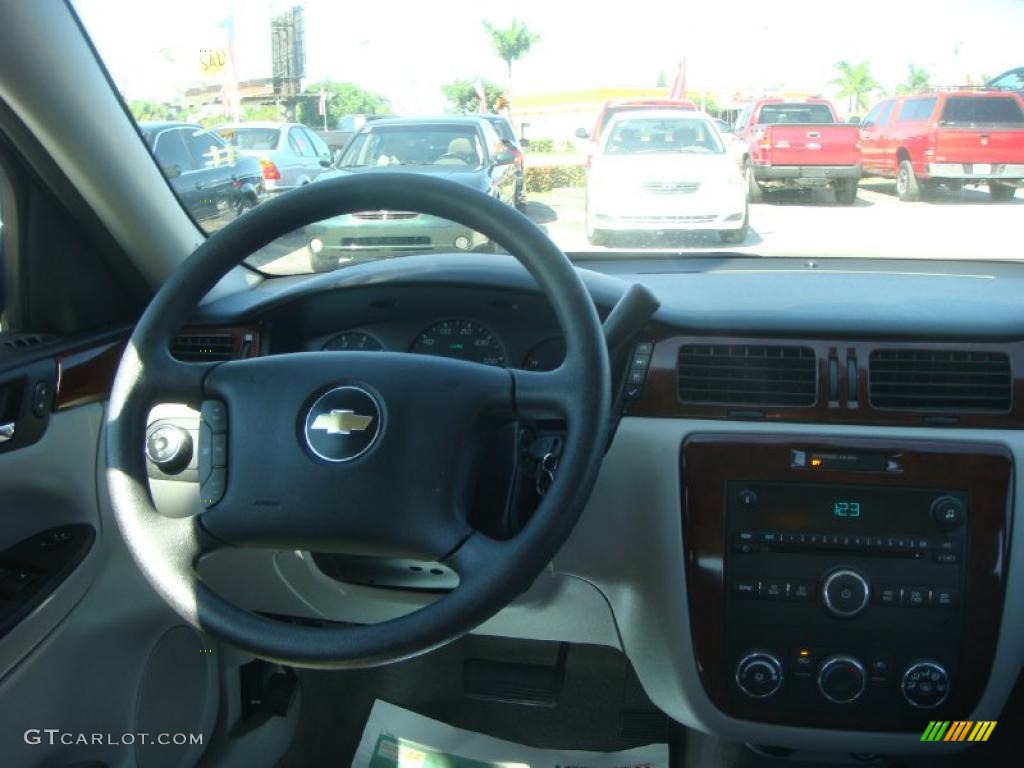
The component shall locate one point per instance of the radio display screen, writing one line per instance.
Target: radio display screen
(830, 508)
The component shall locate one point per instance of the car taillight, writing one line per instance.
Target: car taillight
(270, 172)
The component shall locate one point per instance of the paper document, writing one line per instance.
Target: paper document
(397, 738)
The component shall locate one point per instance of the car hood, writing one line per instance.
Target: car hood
(471, 177)
(663, 166)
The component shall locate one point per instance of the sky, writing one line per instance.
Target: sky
(407, 50)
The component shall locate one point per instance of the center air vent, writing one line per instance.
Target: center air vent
(940, 380)
(202, 348)
(747, 374)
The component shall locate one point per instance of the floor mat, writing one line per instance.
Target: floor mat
(397, 738)
(595, 712)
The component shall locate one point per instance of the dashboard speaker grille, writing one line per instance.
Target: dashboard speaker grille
(940, 380)
(747, 374)
(201, 348)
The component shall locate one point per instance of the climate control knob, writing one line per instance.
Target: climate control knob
(759, 674)
(925, 684)
(841, 679)
(845, 592)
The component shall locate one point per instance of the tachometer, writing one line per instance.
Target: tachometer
(353, 341)
(461, 339)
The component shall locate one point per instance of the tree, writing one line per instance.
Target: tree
(462, 95)
(662, 80)
(270, 112)
(856, 83)
(511, 43)
(917, 80)
(342, 99)
(143, 109)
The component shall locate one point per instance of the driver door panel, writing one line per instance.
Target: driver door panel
(78, 644)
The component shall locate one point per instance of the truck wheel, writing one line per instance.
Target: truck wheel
(1000, 193)
(754, 192)
(907, 187)
(845, 191)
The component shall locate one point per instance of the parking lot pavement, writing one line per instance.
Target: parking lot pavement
(965, 225)
(809, 224)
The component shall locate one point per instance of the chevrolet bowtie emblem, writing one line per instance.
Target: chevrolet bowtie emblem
(341, 422)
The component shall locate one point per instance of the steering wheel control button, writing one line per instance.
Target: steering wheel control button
(639, 364)
(170, 448)
(212, 453)
(343, 424)
(948, 512)
(845, 593)
(759, 674)
(212, 490)
(925, 684)
(841, 679)
(215, 415)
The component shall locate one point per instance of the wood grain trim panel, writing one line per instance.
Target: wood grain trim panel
(660, 396)
(86, 375)
(984, 470)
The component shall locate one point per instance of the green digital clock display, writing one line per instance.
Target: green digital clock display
(846, 509)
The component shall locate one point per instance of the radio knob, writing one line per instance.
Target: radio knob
(845, 592)
(759, 674)
(948, 512)
(925, 684)
(841, 679)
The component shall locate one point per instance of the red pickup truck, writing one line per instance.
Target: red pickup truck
(953, 138)
(799, 144)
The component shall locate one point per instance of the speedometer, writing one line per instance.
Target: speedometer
(461, 339)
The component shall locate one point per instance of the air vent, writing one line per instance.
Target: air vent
(205, 347)
(940, 380)
(743, 374)
(25, 340)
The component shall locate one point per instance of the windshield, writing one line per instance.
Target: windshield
(647, 135)
(251, 138)
(795, 113)
(965, 109)
(749, 128)
(414, 144)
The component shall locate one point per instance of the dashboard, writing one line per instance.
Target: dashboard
(819, 554)
(499, 327)
(457, 337)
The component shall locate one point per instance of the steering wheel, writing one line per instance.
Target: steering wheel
(376, 450)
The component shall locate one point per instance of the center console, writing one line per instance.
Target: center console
(844, 583)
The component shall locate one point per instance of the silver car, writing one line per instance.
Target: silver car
(290, 154)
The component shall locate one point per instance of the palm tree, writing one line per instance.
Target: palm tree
(856, 83)
(917, 80)
(511, 43)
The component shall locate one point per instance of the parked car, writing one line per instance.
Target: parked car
(466, 150)
(213, 181)
(515, 145)
(664, 171)
(290, 154)
(953, 138)
(798, 144)
(345, 128)
(1012, 80)
(612, 107)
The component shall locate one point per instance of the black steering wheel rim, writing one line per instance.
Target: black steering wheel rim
(167, 549)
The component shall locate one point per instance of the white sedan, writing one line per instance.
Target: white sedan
(664, 172)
